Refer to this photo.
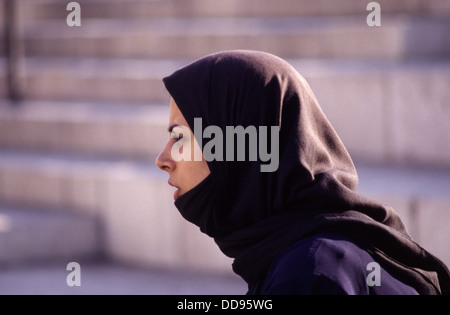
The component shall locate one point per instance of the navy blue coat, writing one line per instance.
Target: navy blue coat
(328, 264)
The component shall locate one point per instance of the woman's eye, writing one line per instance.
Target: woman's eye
(177, 136)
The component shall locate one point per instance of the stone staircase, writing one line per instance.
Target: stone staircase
(77, 154)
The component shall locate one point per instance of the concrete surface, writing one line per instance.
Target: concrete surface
(315, 37)
(140, 225)
(383, 111)
(113, 279)
(384, 90)
(32, 235)
(205, 8)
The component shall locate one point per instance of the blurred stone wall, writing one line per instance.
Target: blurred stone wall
(94, 114)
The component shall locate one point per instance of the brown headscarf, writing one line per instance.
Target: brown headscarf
(252, 215)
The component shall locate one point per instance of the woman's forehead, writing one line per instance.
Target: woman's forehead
(175, 115)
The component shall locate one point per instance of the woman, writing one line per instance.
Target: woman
(300, 228)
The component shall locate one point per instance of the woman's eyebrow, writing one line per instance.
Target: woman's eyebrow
(170, 128)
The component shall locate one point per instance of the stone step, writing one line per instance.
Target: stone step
(95, 129)
(140, 81)
(61, 181)
(385, 112)
(33, 9)
(141, 226)
(319, 37)
(132, 201)
(30, 236)
(106, 278)
(104, 80)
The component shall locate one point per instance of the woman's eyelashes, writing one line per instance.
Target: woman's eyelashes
(176, 135)
(178, 132)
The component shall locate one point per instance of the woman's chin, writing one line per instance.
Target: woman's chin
(176, 194)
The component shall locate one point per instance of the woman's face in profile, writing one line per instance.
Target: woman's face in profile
(184, 174)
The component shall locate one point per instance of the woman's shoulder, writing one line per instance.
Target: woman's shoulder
(313, 263)
(328, 264)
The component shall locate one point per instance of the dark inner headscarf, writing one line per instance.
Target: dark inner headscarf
(252, 215)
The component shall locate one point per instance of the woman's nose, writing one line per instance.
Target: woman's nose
(164, 160)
